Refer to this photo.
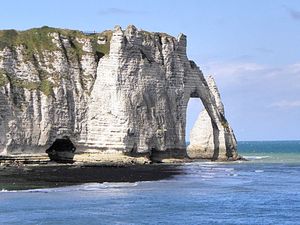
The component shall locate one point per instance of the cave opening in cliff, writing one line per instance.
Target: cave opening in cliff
(193, 110)
(62, 150)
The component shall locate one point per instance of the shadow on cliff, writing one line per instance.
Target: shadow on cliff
(216, 142)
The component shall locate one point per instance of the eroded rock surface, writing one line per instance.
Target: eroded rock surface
(121, 90)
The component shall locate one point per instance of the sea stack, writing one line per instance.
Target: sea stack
(116, 91)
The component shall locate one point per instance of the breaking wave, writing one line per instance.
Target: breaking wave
(256, 157)
(82, 187)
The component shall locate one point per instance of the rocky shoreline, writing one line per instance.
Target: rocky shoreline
(51, 175)
(29, 171)
(20, 172)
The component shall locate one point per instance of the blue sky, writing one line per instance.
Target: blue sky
(252, 47)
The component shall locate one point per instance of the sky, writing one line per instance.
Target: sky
(251, 47)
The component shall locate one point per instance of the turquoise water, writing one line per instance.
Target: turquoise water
(271, 151)
(264, 190)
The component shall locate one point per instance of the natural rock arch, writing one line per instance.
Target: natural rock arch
(133, 97)
(219, 141)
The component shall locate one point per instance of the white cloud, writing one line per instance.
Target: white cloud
(232, 68)
(235, 73)
(294, 68)
(286, 104)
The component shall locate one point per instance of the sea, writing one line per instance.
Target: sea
(263, 190)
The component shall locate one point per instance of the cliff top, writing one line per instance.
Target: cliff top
(35, 45)
(39, 39)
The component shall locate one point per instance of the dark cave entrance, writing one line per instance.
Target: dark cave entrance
(62, 150)
(193, 110)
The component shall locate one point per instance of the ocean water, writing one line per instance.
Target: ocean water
(263, 190)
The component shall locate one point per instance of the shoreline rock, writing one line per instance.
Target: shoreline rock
(51, 176)
(96, 159)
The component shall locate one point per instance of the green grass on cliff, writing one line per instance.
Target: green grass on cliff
(102, 48)
(3, 78)
(38, 40)
(44, 85)
(34, 40)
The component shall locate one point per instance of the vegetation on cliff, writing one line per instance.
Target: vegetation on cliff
(38, 41)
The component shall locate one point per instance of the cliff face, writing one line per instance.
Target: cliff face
(122, 90)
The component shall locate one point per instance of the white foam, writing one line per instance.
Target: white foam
(224, 169)
(256, 157)
(82, 187)
(207, 176)
(119, 184)
(259, 171)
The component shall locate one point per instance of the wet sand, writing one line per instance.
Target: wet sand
(30, 177)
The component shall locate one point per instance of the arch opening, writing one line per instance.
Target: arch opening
(194, 108)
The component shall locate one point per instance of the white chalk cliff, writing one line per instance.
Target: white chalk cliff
(121, 90)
